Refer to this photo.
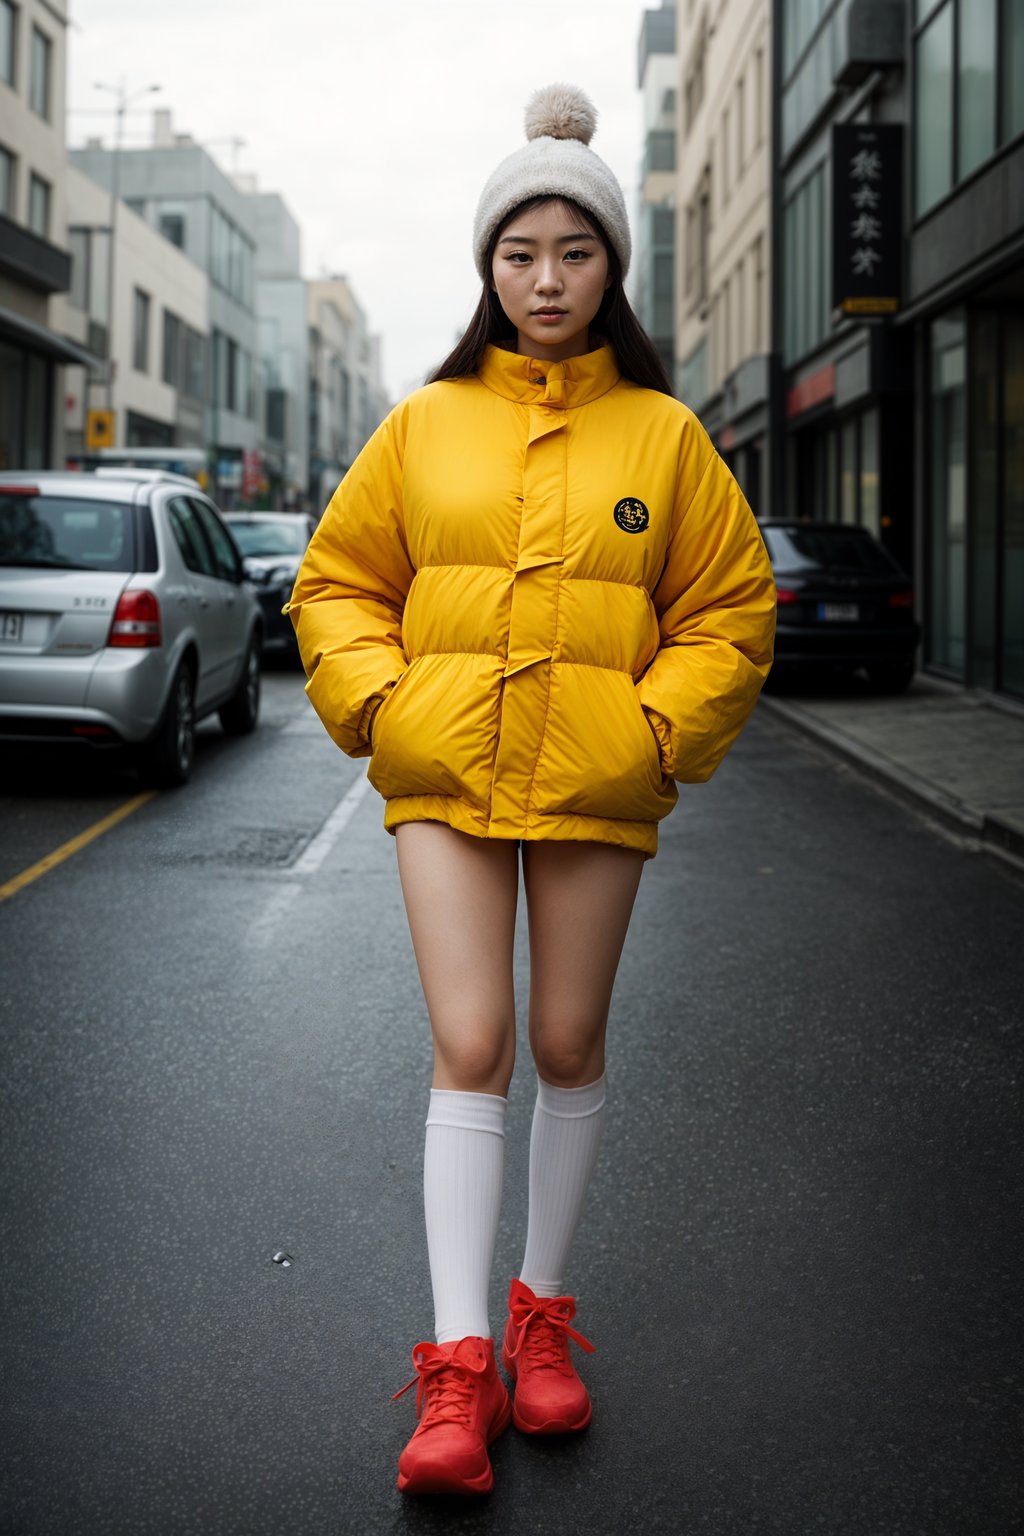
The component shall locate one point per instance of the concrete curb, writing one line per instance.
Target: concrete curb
(919, 793)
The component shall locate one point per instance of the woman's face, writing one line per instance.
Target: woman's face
(550, 274)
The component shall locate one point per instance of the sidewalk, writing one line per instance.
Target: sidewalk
(954, 755)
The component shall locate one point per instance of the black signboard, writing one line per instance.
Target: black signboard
(867, 211)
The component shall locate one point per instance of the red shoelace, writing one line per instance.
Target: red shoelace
(543, 1331)
(447, 1385)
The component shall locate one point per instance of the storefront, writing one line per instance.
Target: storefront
(972, 357)
(30, 359)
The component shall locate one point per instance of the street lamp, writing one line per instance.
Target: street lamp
(124, 101)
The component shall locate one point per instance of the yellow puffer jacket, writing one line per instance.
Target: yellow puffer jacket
(553, 583)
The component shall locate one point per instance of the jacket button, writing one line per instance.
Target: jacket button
(540, 379)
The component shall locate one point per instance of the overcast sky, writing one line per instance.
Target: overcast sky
(378, 122)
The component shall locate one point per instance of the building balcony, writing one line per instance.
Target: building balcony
(32, 261)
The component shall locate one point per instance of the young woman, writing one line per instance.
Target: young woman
(536, 600)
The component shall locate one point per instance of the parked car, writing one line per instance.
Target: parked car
(125, 616)
(843, 602)
(272, 545)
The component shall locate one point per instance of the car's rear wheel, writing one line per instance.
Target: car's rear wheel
(890, 676)
(167, 760)
(240, 714)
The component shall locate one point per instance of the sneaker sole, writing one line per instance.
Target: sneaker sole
(552, 1426)
(438, 1478)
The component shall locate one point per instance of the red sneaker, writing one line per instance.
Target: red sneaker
(462, 1405)
(550, 1398)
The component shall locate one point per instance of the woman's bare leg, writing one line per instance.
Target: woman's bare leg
(579, 898)
(460, 896)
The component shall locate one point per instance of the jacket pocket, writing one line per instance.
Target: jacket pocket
(436, 732)
(599, 756)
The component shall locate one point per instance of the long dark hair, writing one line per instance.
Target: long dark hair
(615, 321)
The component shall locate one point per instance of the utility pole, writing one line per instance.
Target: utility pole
(124, 100)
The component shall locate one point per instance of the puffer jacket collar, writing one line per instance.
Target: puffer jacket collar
(566, 385)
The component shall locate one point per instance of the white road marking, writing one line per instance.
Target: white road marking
(261, 929)
(317, 851)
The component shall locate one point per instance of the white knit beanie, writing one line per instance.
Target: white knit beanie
(560, 122)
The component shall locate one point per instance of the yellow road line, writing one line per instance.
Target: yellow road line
(75, 845)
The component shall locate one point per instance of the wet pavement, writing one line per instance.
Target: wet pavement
(800, 1257)
(956, 754)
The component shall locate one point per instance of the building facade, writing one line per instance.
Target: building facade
(35, 264)
(723, 231)
(177, 188)
(283, 351)
(346, 398)
(157, 336)
(964, 316)
(911, 422)
(847, 383)
(655, 245)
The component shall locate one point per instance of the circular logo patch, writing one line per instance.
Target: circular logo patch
(631, 515)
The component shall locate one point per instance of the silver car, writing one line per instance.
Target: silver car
(125, 616)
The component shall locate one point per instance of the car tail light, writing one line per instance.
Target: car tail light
(136, 620)
(785, 595)
(901, 599)
(19, 490)
(100, 731)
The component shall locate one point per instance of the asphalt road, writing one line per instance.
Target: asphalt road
(800, 1261)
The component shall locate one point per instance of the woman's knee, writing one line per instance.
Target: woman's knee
(475, 1061)
(568, 1056)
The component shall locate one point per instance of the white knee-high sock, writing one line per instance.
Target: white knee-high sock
(463, 1162)
(567, 1124)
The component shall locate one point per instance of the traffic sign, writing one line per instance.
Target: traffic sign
(99, 429)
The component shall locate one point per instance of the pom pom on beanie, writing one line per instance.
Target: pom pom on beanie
(560, 112)
(556, 161)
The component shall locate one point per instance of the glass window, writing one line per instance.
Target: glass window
(39, 90)
(815, 275)
(1012, 671)
(803, 259)
(983, 491)
(6, 181)
(869, 498)
(11, 406)
(172, 227)
(789, 306)
(189, 537)
(224, 553)
(231, 374)
(947, 492)
(140, 344)
(172, 349)
(78, 245)
(817, 548)
(195, 366)
(8, 39)
(933, 117)
(800, 18)
(848, 472)
(976, 84)
(39, 376)
(265, 536)
(39, 206)
(65, 531)
(1011, 53)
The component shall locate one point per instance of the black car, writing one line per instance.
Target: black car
(272, 546)
(843, 602)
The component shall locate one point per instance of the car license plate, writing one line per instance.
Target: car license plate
(10, 626)
(842, 613)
